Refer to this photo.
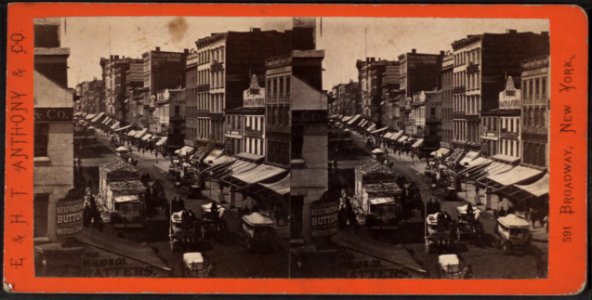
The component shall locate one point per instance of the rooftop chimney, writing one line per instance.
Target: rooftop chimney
(157, 49)
(512, 31)
(413, 50)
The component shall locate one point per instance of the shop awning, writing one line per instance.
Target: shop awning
(281, 187)
(363, 123)
(123, 128)
(213, 155)
(260, 173)
(146, 137)
(470, 156)
(345, 119)
(219, 164)
(478, 161)
(161, 141)
(442, 152)
(140, 133)
(476, 165)
(371, 128)
(381, 200)
(388, 135)
(132, 133)
(492, 169)
(106, 121)
(537, 188)
(402, 139)
(236, 167)
(115, 125)
(185, 150)
(126, 198)
(396, 135)
(379, 130)
(516, 175)
(90, 116)
(417, 143)
(97, 117)
(354, 119)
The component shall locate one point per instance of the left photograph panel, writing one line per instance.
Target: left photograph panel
(151, 150)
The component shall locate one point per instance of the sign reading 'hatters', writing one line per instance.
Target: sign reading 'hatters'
(436, 158)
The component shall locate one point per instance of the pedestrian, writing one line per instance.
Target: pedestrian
(430, 206)
(436, 205)
(533, 216)
(468, 272)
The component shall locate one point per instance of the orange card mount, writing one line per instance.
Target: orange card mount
(46, 243)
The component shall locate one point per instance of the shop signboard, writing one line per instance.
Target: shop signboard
(69, 215)
(324, 218)
(100, 263)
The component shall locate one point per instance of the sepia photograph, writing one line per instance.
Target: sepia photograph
(291, 147)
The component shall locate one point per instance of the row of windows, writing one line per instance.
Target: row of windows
(254, 122)
(471, 81)
(277, 87)
(470, 105)
(278, 152)
(254, 146)
(510, 147)
(462, 131)
(467, 57)
(534, 154)
(535, 116)
(535, 89)
(217, 79)
(216, 54)
(203, 77)
(447, 136)
(278, 115)
(510, 124)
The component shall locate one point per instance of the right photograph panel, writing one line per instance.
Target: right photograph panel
(419, 147)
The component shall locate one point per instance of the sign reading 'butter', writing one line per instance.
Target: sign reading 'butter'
(69, 217)
(324, 218)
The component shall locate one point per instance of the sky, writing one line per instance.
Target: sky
(344, 39)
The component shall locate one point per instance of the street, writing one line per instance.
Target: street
(229, 256)
(486, 260)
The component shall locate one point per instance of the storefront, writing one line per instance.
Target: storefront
(498, 182)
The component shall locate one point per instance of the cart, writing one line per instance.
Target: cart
(196, 266)
(212, 224)
(257, 232)
(449, 267)
(512, 233)
(468, 224)
(437, 232)
(182, 233)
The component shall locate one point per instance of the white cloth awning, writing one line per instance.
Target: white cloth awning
(126, 198)
(106, 121)
(379, 130)
(162, 141)
(281, 186)
(388, 135)
(417, 143)
(402, 138)
(140, 133)
(146, 137)
(213, 155)
(132, 133)
(121, 149)
(115, 125)
(441, 152)
(97, 117)
(516, 175)
(354, 119)
(260, 173)
(479, 161)
(123, 128)
(381, 200)
(363, 123)
(537, 188)
(396, 135)
(185, 150)
(345, 118)
(90, 116)
(371, 128)
(470, 156)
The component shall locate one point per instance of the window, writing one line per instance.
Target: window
(537, 88)
(40, 208)
(288, 85)
(544, 87)
(41, 139)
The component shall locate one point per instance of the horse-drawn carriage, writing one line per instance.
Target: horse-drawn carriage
(467, 222)
(184, 231)
(512, 233)
(437, 231)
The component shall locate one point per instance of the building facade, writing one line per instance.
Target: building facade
(535, 112)
(371, 75)
(481, 66)
(345, 99)
(115, 70)
(53, 147)
(191, 95)
(171, 109)
(90, 95)
(446, 99)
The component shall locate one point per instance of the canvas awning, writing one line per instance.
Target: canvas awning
(417, 143)
(363, 123)
(441, 152)
(97, 117)
(353, 119)
(106, 121)
(470, 156)
(379, 130)
(371, 128)
(115, 125)
(492, 169)
(146, 137)
(213, 155)
(402, 139)
(479, 161)
(345, 119)
(260, 173)
(90, 116)
(219, 164)
(185, 150)
(455, 156)
(238, 166)
(123, 128)
(396, 135)
(516, 175)
(126, 198)
(388, 135)
(140, 133)
(281, 187)
(161, 141)
(132, 133)
(537, 188)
